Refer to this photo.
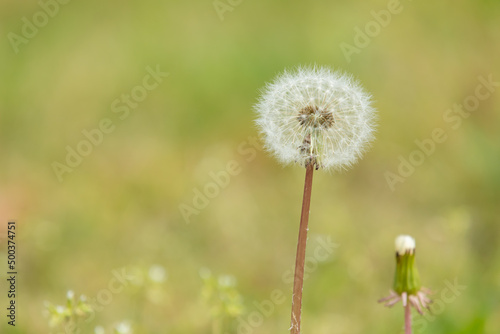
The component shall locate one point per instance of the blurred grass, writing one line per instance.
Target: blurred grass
(120, 207)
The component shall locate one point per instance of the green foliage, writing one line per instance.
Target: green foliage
(67, 318)
(222, 298)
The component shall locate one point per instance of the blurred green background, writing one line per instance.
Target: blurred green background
(120, 208)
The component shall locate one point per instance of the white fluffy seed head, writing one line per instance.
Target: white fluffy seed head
(315, 115)
(404, 244)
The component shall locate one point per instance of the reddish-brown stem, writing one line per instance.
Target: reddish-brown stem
(408, 318)
(298, 281)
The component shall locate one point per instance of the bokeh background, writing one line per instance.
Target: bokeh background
(120, 208)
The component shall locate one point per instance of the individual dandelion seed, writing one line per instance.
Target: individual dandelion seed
(407, 287)
(319, 119)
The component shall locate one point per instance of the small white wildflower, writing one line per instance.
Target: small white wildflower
(157, 273)
(60, 309)
(315, 115)
(404, 243)
(99, 330)
(205, 273)
(227, 281)
(70, 295)
(123, 328)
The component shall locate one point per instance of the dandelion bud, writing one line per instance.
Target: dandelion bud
(407, 287)
(406, 278)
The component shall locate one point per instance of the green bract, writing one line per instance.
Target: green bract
(406, 278)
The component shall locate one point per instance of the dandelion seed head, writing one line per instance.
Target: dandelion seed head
(315, 115)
